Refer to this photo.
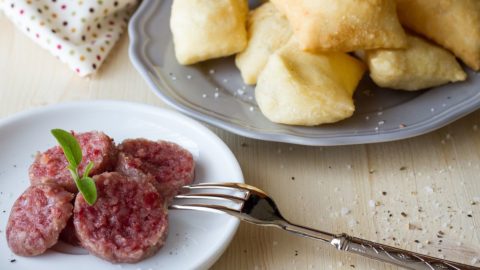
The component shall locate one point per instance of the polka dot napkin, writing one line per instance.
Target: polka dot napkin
(79, 33)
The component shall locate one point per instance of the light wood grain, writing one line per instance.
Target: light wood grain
(438, 172)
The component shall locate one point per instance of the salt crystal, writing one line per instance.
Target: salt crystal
(174, 78)
(380, 113)
(240, 92)
(381, 122)
(189, 77)
(204, 95)
(211, 71)
(216, 95)
(432, 109)
(349, 166)
(251, 108)
(475, 260)
(372, 203)
(225, 80)
(428, 189)
(352, 223)
(376, 129)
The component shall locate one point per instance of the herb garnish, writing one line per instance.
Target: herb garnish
(73, 154)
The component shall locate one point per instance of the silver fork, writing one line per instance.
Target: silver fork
(252, 205)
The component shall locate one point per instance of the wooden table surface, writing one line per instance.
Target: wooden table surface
(421, 194)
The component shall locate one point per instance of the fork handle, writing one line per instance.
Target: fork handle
(399, 257)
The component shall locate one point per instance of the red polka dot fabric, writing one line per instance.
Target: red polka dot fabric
(80, 33)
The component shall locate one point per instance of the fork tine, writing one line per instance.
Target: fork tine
(207, 207)
(237, 186)
(211, 196)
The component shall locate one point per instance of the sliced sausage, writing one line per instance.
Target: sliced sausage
(37, 218)
(127, 223)
(51, 165)
(168, 165)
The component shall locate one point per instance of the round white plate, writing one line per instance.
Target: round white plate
(196, 239)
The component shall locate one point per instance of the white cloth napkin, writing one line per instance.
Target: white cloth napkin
(80, 33)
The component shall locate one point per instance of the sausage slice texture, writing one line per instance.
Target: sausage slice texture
(51, 165)
(37, 218)
(168, 165)
(127, 223)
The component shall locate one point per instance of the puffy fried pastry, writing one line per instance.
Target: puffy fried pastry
(268, 30)
(454, 24)
(344, 25)
(206, 29)
(421, 65)
(301, 88)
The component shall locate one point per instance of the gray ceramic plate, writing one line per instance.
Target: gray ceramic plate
(214, 92)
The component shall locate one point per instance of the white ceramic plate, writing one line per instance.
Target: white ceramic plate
(196, 239)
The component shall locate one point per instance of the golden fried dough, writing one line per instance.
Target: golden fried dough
(206, 29)
(454, 24)
(301, 88)
(343, 25)
(421, 65)
(268, 30)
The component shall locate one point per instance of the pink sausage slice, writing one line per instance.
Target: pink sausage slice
(127, 223)
(37, 218)
(50, 166)
(168, 165)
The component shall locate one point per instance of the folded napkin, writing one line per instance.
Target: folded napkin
(79, 33)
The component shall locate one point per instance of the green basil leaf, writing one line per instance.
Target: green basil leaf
(74, 173)
(88, 169)
(70, 146)
(88, 189)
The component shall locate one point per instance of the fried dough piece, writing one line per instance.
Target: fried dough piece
(268, 30)
(206, 29)
(454, 24)
(301, 88)
(421, 65)
(343, 25)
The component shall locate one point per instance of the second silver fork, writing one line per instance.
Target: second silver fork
(253, 205)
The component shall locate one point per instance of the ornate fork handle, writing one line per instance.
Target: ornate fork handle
(403, 258)
(376, 251)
